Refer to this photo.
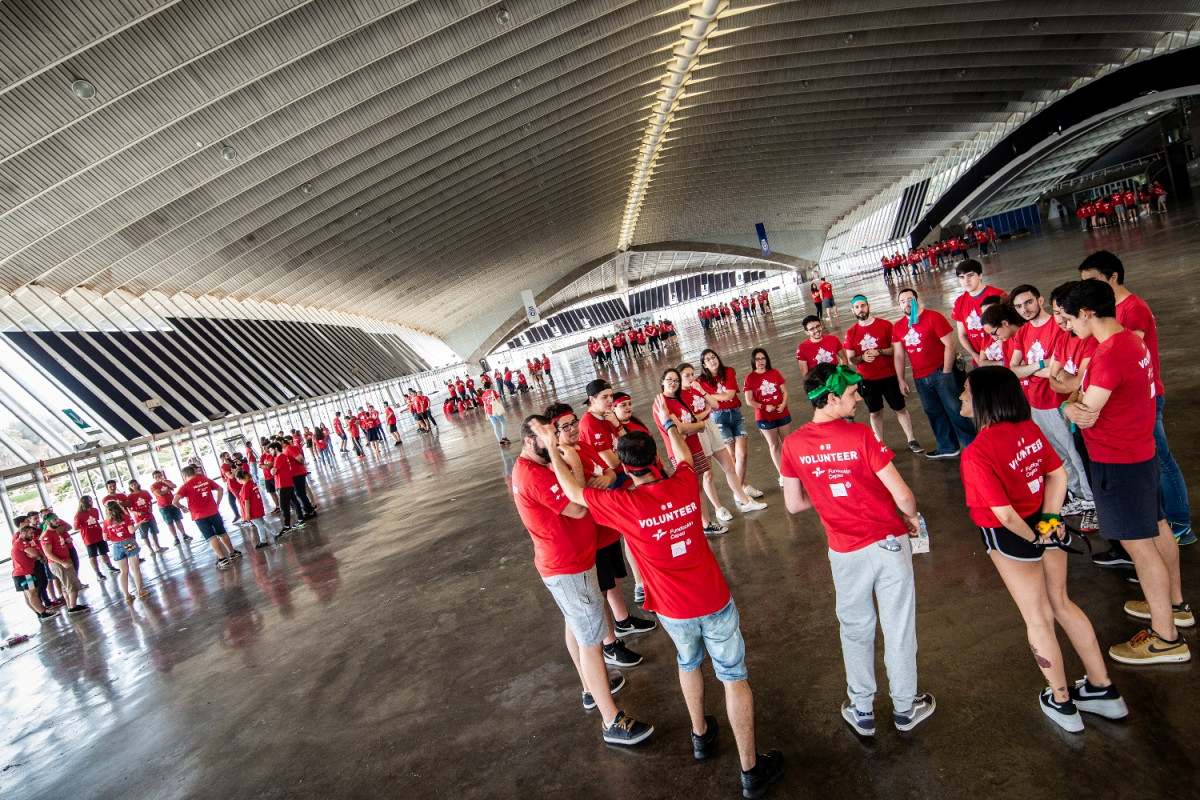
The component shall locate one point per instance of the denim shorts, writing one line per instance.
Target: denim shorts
(582, 604)
(170, 514)
(772, 424)
(719, 633)
(731, 424)
(211, 526)
(126, 548)
(146, 528)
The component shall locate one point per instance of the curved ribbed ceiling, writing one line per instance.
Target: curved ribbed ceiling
(421, 162)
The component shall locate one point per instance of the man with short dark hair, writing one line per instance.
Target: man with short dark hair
(926, 338)
(660, 518)
(818, 348)
(869, 346)
(1133, 314)
(1116, 414)
(203, 498)
(967, 310)
(838, 467)
(564, 548)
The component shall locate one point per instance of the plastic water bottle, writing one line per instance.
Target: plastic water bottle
(921, 545)
(890, 544)
(18, 640)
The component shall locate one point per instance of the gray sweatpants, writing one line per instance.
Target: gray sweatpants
(1058, 433)
(859, 578)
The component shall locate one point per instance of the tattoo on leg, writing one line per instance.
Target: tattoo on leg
(1042, 661)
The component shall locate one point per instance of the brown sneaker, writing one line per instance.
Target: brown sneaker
(1141, 609)
(1147, 647)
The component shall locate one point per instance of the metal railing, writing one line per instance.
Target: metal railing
(1100, 173)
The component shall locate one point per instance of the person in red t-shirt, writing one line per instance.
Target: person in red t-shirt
(719, 386)
(680, 404)
(926, 338)
(684, 585)
(764, 389)
(1031, 359)
(493, 407)
(598, 426)
(818, 348)
(118, 530)
(1116, 414)
(339, 430)
(352, 428)
(967, 309)
(25, 556)
(1015, 485)
(203, 498)
(112, 495)
(141, 510)
(87, 522)
(870, 350)
(56, 546)
(250, 500)
(299, 473)
(546, 361)
(389, 417)
(838, 467)
(284, 469)
(163, 491)
(1134, 314)
(827, 303)
(564, 554)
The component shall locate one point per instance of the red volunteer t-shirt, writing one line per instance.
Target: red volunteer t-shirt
(118, 496)
(561, 545)
(1073, 351)
(282, 470)
(118, 531)
(826, 290)
(683, 413)
(199, 493)
(297, 457)
(922, 342)
(250, 500)
(389, 415)
(1006, 465)
(1038, 344)
(23, 563)
(822, 352)
(1124, 431)
(766, 389)
(968, 310)
(58, 542)
(661, 522)
(1135, 315)
(836, 462)
(726, 383)
(875, 336)
(597, 432)
(163, 491)
(88, 525)
(141, 506)
(488, 397)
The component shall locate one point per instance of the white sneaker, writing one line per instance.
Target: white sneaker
(1072, 508)
(753, 505)
(750, 490)
(723, 514)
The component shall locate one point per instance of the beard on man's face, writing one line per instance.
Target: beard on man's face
(540, 450)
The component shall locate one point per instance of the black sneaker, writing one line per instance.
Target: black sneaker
(1114, 557)
(703, 746)
(940, 454)
(767, 769)
(223, 563)
(614, 685)
(235, 554)
(632, 625)
(1065, 715)
(618, 655)
(114, 570)
(922, 708)
(80, 609)
(47, 615)
(626, 730)
(1104, 702)
(262, 545)
(284, 531)
(915, 447)
(186, 538)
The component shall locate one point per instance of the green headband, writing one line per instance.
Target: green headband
(858, 297)
(842, 378)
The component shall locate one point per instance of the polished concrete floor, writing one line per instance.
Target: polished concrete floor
(404, 646)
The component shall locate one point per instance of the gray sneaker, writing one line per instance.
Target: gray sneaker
(922, 708)
(863, 722)
(915, 447)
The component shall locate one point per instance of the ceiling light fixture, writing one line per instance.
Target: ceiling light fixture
(84, 90)
(517, 83)
(1033, 26)
(503, 17)
(962, 73)
(357, 213)
(307, 188)
(198, 144)
(849, 38)
(228, 153)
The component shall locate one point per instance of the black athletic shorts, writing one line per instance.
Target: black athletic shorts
(1008, 544)
(97, 549)
(875, 392)
(610, 565)
(1128, 498)
(392, 427)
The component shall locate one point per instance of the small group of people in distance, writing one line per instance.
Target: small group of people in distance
(1125, 204)
(730, 312)
(630, 342)
(1060, 417)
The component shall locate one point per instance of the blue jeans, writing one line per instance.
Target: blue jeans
(1174, 490)
(497, 421)
(939, 397)
(512, 390)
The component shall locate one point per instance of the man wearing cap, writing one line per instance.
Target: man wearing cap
(838, 467)
(660, 518)
(869, 345)
(599, 428)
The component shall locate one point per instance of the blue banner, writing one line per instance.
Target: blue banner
(762, 238)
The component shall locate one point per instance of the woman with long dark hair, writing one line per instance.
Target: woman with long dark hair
(719, 384)
(765, 391)
(1015, 485)
(691, 430)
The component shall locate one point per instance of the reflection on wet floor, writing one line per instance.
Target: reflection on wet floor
(402, 642)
